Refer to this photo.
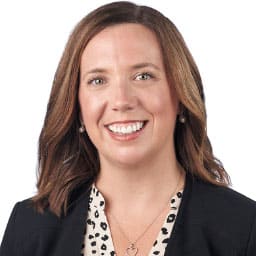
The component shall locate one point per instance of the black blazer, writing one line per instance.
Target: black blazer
(211, 220)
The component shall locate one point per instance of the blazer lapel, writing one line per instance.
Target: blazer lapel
(73, 228)
(188, 223)
(188, 237)
(176, 238)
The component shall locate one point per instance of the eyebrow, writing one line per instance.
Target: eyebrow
(145, 65)
(94, 71)
(133, 67)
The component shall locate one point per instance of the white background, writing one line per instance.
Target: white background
(220, 35)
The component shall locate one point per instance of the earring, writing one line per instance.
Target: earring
(82, 128)
(182, 118)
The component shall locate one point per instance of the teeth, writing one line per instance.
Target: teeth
(126, 129)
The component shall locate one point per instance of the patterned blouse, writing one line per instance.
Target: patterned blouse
(98, 241)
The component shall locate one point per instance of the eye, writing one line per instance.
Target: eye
(96, 81)
(143, 76)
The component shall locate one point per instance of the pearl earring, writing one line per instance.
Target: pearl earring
(82, 128)
(182, 118)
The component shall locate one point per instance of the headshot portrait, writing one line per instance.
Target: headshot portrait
(127, 159)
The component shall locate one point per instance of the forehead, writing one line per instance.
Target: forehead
(123, 43)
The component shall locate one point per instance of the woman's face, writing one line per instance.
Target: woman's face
(127, 105)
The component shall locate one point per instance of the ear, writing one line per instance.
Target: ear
(81, 118)
(181, 113)
(82, 127)
(180, 108)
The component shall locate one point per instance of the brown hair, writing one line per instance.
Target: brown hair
(68, 160)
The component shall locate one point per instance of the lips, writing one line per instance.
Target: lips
(126, 128)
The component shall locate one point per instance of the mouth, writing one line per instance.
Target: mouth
(126, 128)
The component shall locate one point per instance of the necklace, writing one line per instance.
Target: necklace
(132, 249)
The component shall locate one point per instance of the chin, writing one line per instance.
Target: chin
(130, 159)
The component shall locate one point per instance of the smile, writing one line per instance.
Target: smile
(126, 128)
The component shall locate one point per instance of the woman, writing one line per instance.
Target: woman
(125, 164)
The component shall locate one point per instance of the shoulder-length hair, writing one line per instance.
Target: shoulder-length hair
(68, 159)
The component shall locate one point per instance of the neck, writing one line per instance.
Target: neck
(141, 185)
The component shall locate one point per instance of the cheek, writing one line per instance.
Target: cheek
(163, 104)
(91, 108)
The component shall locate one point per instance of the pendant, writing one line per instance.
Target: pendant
(131, 250)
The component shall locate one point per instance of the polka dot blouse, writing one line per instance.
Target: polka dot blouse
(98, 241)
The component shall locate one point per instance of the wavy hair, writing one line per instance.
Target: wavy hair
(68, 160)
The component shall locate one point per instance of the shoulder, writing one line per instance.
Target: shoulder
(224, 217)
(223, 213)
(25, 218)
(27, 227)
(219, 198)
(218, 205)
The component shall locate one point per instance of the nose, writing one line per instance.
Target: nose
(123, 97)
